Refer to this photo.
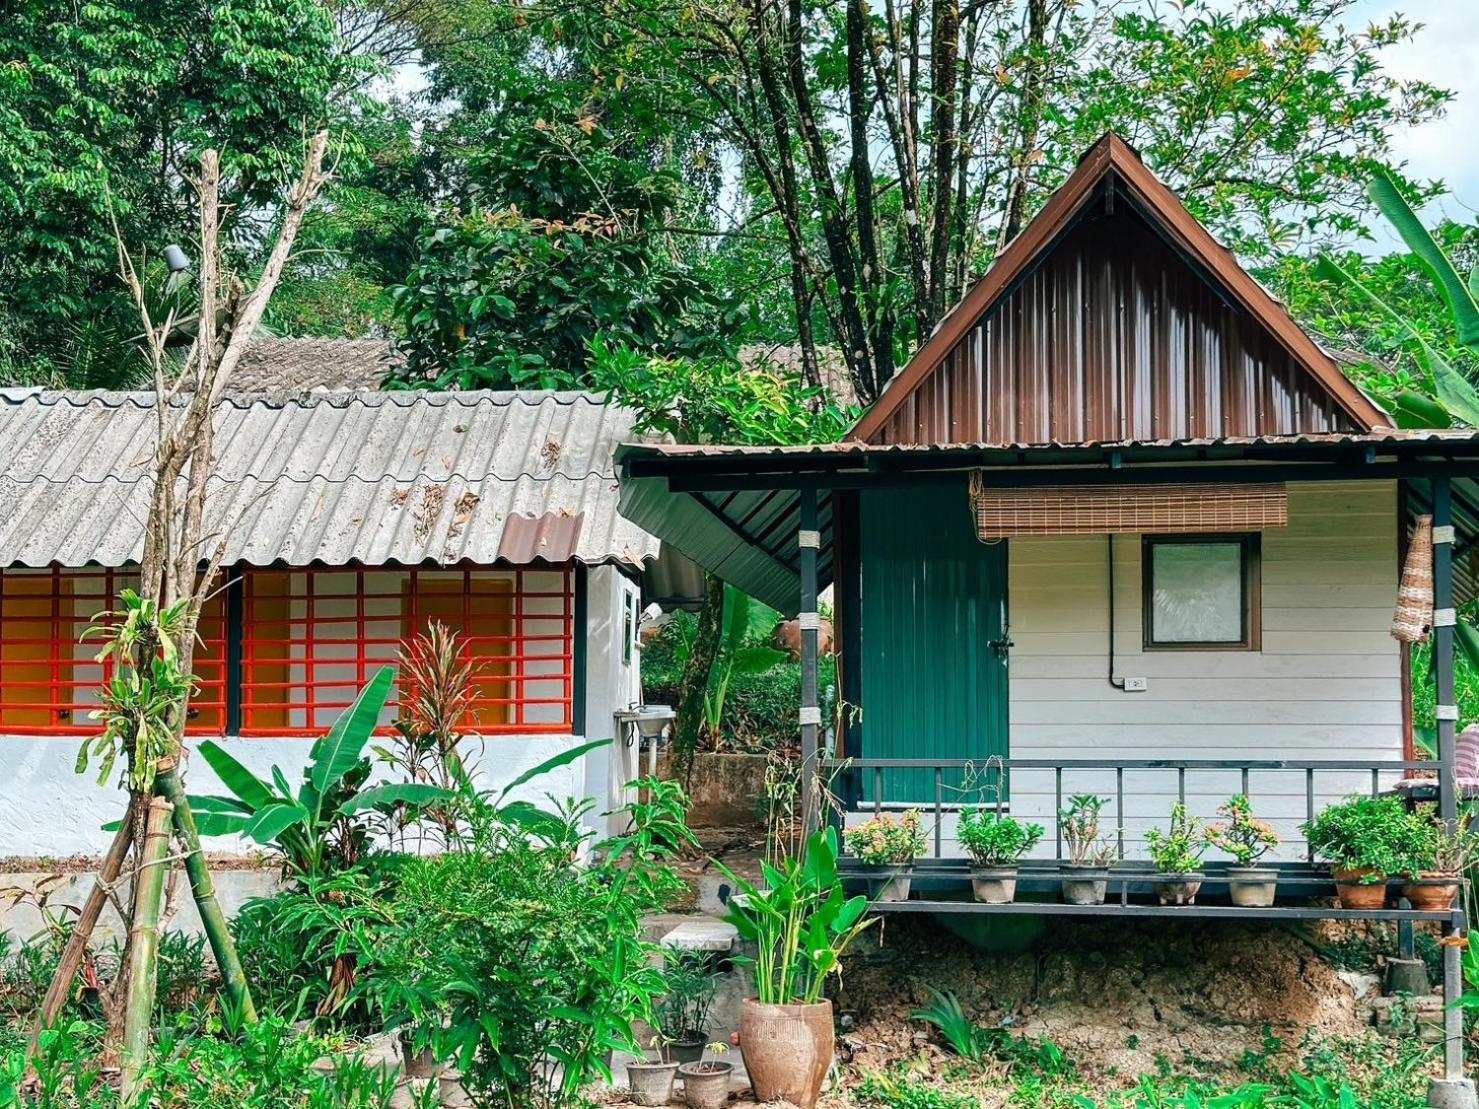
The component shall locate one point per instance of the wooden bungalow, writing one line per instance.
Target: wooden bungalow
(1120, 527)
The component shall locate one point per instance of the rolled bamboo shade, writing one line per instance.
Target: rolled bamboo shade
(1142, 509)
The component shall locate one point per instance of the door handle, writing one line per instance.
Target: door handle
(1000, 647)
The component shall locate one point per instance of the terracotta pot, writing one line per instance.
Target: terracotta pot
(651, 1083)
(1251, 887)
(994, 885)
(1084, 885)
(1437, 898)
(1177, 889)
(706, 1085)
(787, 1049)
(1355, 894)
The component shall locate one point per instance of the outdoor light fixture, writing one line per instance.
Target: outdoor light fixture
(176, 259)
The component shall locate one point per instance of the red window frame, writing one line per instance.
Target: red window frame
(282, 651)
(60, 652)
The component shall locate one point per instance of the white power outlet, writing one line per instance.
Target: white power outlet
(1137, 685)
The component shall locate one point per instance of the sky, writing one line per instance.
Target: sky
(1445, 52)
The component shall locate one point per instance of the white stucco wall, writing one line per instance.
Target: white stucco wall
(49, 811)
(1325, 685)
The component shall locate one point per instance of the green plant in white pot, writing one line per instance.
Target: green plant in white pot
(996, 844)
(887, 846)
(1085, 873)
(1177, 853)
(1247, 839)
(801, 923)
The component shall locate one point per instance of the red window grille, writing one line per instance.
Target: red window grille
(313, 637)
(49, 677)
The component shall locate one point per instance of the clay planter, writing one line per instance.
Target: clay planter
(1355, 894)
(651, 1083)
(1436, 898)
(994, 885)
(787, 1050)
(886, 883)
(687, 1051)
(1251, 887)
(1177, 889)
(418, 1064)
(706, 1085)
(1084, 885)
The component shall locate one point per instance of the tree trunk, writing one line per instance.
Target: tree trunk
(76, 949)
(212, 917)
(944, 75)
(688, 727)
(143, 950)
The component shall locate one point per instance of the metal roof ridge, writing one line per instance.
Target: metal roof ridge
(338, 398)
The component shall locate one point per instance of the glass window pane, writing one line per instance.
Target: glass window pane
(1198, 594)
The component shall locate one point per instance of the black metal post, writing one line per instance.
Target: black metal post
(808, 541)
(1446, 712)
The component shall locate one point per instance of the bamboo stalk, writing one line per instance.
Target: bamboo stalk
(76, 949)
(212, 917)
(144, 950)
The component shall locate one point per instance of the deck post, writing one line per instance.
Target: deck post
(1454, 1089)
(808, 542)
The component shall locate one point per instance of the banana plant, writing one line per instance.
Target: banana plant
(313, 826)
(734, 657)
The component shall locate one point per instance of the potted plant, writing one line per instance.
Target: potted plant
(706, 1083)
(800, 925)
(886, 845)
(1441, 857)
(1176, 855)
(683, 1009)
(651, 1081)
(1086, 871)
(1366, 840)
(996, 844)
(1247, 839)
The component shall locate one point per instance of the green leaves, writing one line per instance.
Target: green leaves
(1456, 293)
(337, 752)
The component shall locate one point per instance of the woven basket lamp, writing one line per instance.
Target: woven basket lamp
(1413, 619)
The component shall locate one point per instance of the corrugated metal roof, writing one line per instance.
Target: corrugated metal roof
(331, 478)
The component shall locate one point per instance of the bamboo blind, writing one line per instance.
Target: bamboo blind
(1141, 509)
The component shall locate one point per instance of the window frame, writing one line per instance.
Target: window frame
(1250, 553)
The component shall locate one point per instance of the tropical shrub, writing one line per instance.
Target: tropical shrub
(1246, 838)
(887, 840)
(801, 922)
(505, 954)
(689, 985)
(1078, 822)
(991, 839)
(1180, 849)
(1375, 834)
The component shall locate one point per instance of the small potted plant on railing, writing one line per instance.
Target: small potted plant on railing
(1366, 840)
(651, 1080)
(996, 844)
(706, 1082)
(888, 845)
(1441, 857)
(1247, 839)
(1085, 874)
(683, 1009)
(1176, 854)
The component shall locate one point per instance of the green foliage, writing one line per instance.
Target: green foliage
(887, 840)
(104, 108)
(991, 839)
(1079, 823)
(689, 985)
(899, 1091)
(801, 921)
(1369, 833)
(323, 825)
(1179, 849)
(958, 1030)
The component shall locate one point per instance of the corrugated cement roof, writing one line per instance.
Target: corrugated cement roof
(329, 478)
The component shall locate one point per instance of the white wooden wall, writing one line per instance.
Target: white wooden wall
(1326, 684)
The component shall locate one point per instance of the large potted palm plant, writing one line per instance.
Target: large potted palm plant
(801, 922)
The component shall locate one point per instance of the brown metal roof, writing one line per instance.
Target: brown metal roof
(1115, 315)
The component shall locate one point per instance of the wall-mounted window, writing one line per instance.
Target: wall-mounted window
(301, 644)
(49, 677)
(1201, 592)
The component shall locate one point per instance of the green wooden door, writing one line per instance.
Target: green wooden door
(934, 665)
